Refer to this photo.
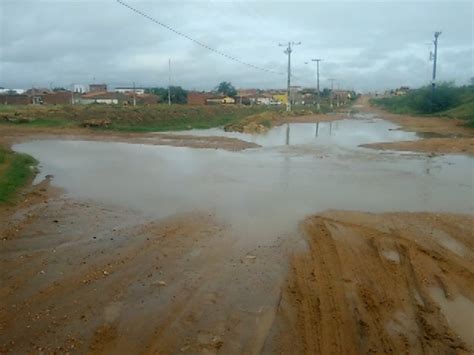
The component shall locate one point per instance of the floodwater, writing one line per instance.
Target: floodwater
(459, 311)
(264, 192)
(344, 133)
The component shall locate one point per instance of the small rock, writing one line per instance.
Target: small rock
(250, 257)
(106, 273)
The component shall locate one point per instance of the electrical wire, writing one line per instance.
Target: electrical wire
(196, 41)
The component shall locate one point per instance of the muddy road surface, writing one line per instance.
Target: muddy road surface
(136, 248)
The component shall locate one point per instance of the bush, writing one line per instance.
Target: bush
(442, 98)
(428, 101)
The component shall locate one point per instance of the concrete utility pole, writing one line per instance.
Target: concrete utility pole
(72, 94)
(169, 81)
(134, 98)
(317, 60)
(332, 80)
(288, 51)
(435, 58)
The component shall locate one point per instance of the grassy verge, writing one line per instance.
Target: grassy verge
(15, 172)
(127, 118)
(446, 101)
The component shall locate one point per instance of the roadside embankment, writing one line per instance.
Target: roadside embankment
(439, 134)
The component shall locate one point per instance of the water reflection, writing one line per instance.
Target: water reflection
(350, 133)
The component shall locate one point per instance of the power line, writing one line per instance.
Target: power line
(196, 41)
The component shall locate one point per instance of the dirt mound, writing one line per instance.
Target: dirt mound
(383, 283)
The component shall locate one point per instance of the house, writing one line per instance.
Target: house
(14, 99)
(220, 100)
(264, 99)
(79, 88)
(402, 90)
(143, 99)
(198, 98)
(12, 91)
(58, 98)
(108, 98)
(247, 92)
(97, 87)
(341, 96)
(281, 98)
(127, 89)
(228, 100)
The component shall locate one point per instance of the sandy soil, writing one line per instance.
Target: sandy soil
(80, 277)
(10, 135)
(440, 135)
(381, 283)
(431, 145)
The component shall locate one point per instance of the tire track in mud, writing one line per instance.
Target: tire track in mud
(366, 284)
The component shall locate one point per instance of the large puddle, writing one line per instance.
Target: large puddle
(263, 192)
(344, 133)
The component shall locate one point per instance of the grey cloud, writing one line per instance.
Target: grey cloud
(367, 45)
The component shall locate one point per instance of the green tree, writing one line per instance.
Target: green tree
(178, 94)
(226, 89)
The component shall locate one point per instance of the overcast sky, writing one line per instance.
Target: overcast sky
(366, 45)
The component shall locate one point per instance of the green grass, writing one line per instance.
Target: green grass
(446, 100)
(15, 171)
(464, 111)
(153, 118)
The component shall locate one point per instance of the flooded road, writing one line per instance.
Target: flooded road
(263, 191)
(158, 249)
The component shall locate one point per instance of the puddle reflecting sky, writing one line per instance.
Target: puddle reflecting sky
(346, 133)
(262, 191)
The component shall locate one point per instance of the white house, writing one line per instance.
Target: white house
(126, 90)
(12, 91)
(79, 88)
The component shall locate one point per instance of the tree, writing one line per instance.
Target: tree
(178, 94)
(226, 89)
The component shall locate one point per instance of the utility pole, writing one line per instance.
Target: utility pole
(435, 58)
(332, 80)
(134, 98)
(317, 60)
(288, 51)
(72, 94)
(169, 81)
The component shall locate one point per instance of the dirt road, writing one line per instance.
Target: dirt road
(81, 277)
(381, 283)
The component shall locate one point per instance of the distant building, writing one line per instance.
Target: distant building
(222, 100)
(108, 98)
(198, 98)
(281, 98)
(14, 99)
(403, 90)
(12, 91)
(143, 99)
(57, 98)
(97, 87)
(79, 88)
(126, 90)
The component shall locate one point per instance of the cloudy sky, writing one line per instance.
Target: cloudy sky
(366, 45)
